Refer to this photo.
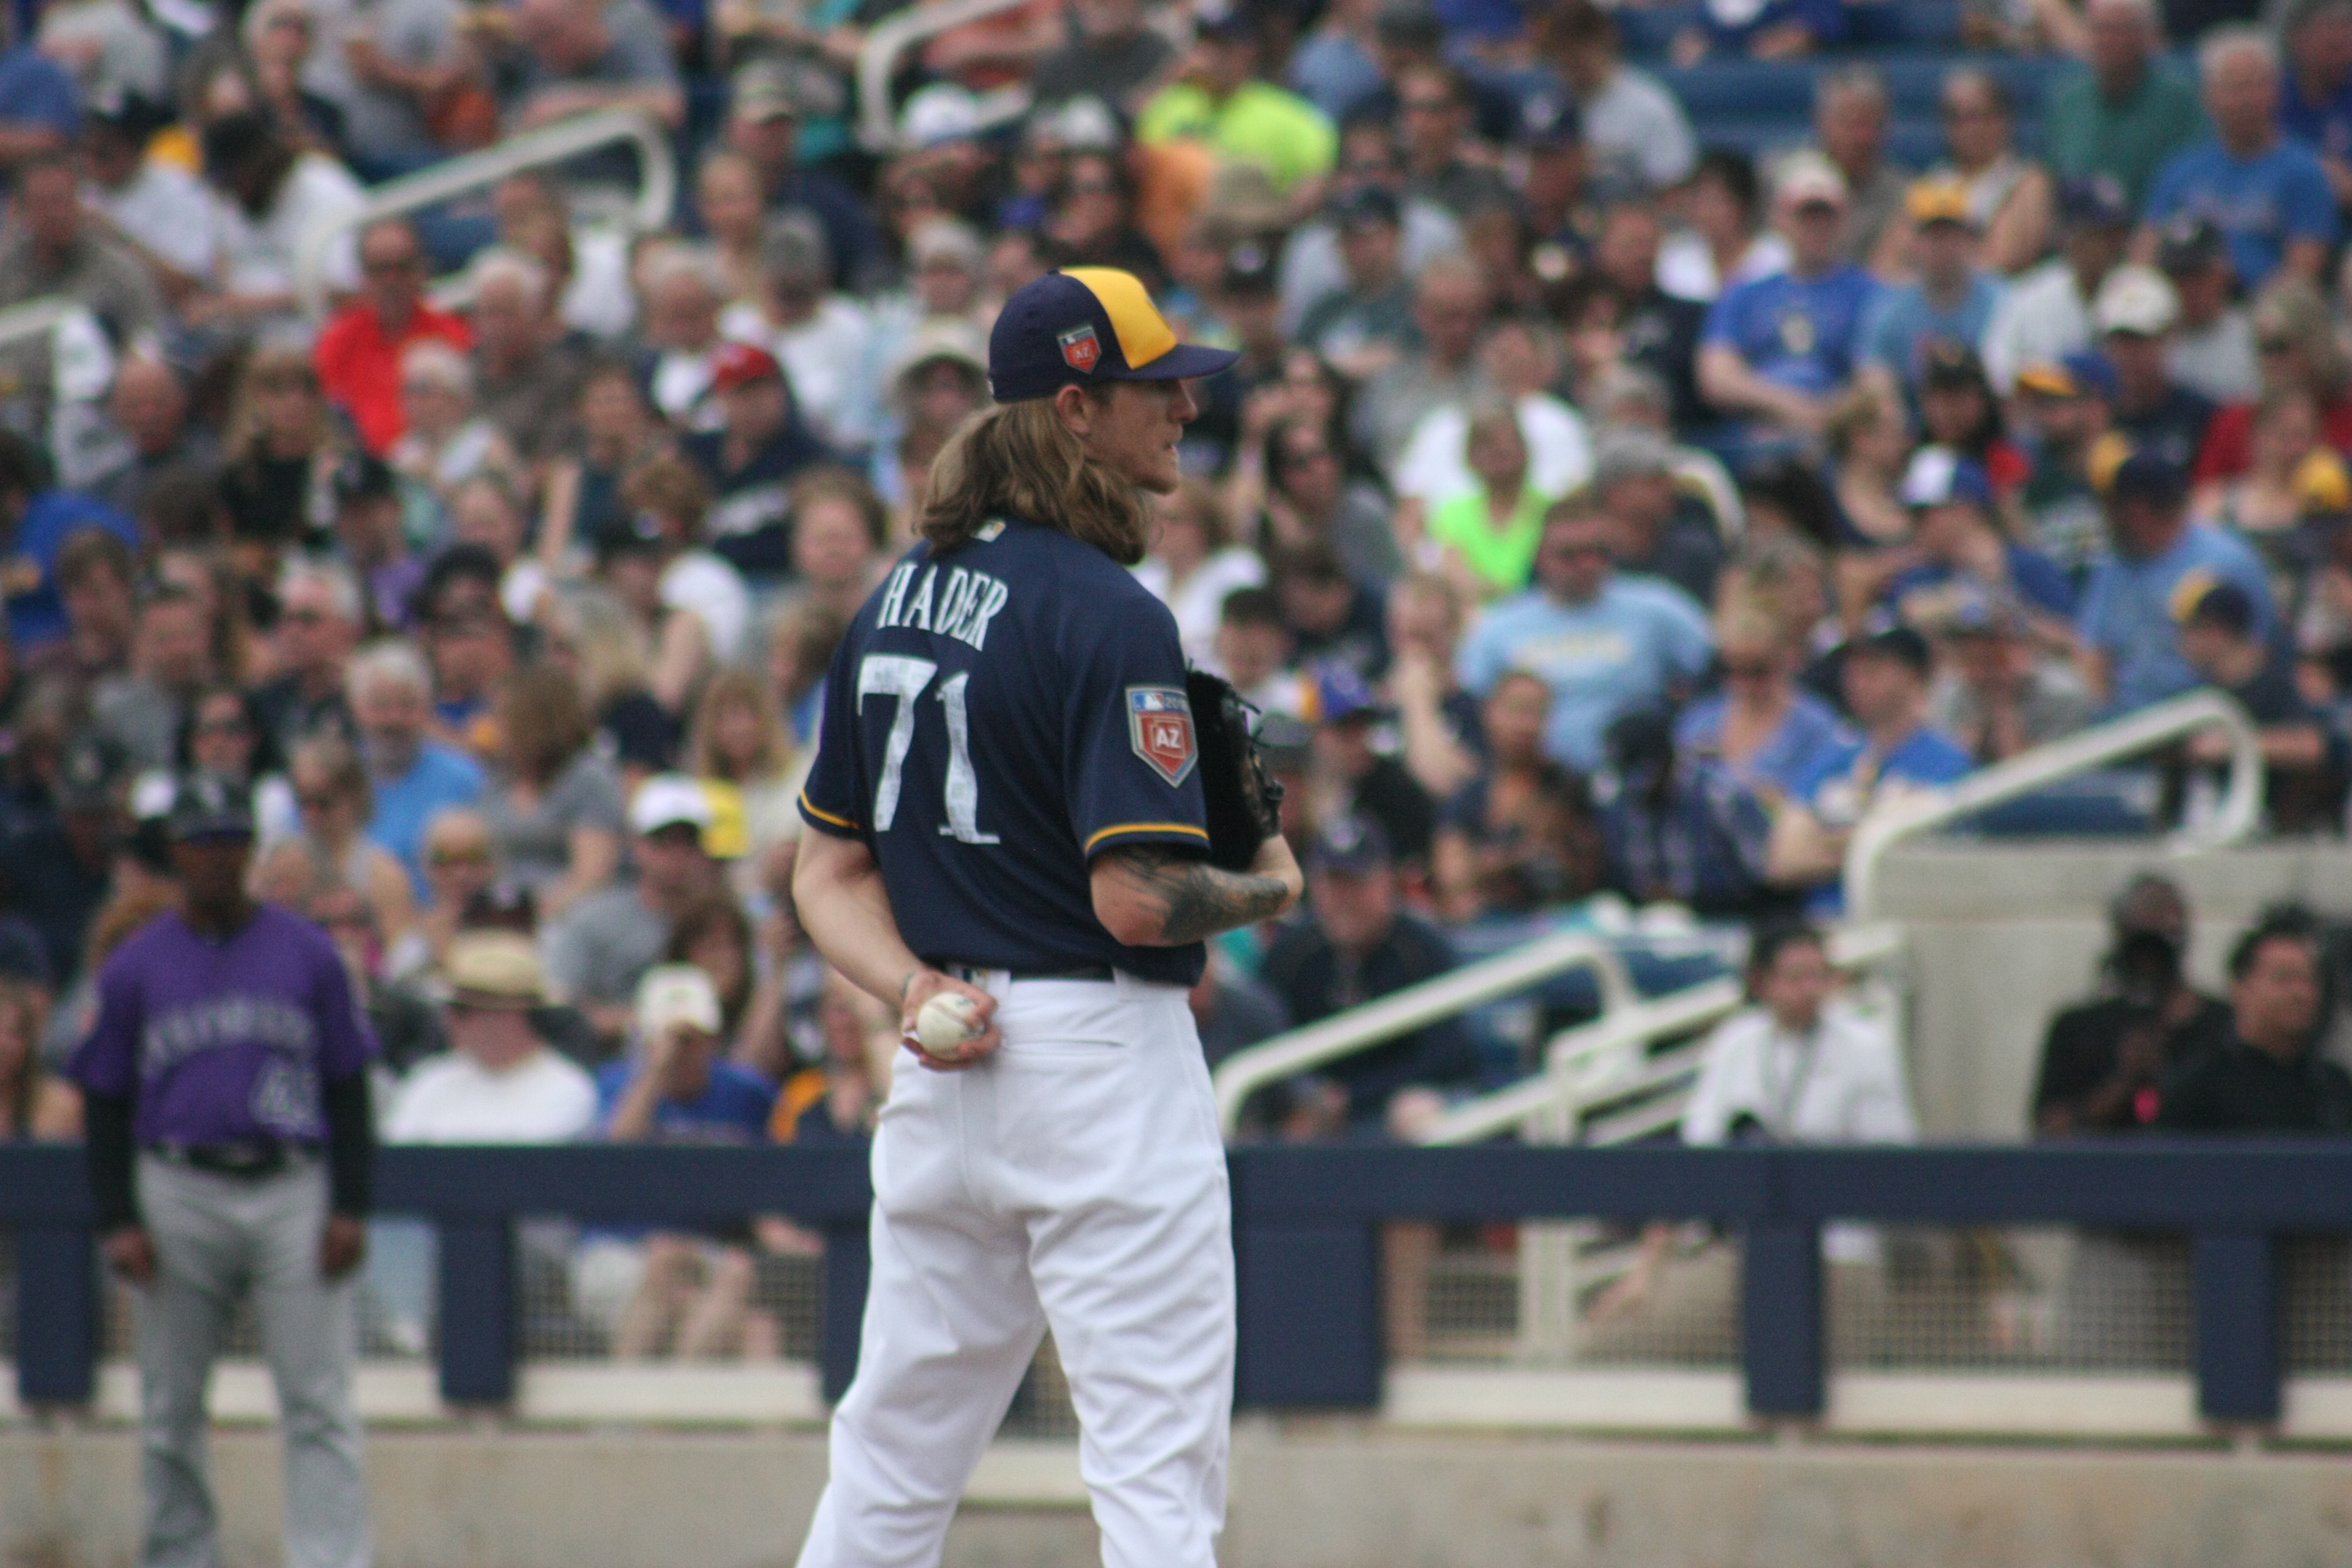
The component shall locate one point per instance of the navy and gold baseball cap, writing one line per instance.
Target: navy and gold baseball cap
(1084, 327)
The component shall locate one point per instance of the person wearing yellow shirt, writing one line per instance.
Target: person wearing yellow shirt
(1221, 101)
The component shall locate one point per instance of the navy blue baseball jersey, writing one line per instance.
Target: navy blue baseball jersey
(993, 721)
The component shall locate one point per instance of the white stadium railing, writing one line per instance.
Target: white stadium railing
(556, 144)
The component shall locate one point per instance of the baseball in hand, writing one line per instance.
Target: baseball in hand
(946, 1024)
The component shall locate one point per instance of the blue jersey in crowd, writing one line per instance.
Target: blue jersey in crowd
(36, 612)
(2259, 204)
(1927, 593)
(2132, 611)
(1902, 323)
(1626, 649)
(731, 1108)
(1845, 780)
(1786, 759)
(1803, 333)
(994, 720)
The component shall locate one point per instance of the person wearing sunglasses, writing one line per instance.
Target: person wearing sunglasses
(360, 349)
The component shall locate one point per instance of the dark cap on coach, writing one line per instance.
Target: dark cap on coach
(1084, 327)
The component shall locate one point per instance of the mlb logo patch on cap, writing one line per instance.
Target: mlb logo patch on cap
(1160, 728)
(1080, 349)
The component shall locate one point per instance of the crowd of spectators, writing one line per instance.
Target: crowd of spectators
(1593, 509)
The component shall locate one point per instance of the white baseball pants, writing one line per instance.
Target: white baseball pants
(1075, 1179)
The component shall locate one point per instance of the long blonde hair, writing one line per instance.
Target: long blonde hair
(1019, 459)
(732, 687)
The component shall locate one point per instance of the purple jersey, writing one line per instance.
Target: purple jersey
(221, 1041)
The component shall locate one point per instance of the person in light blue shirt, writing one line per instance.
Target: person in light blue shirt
(1606, 643)
(413, 778)
(1764, 729)
(2161, 566)
(1884, 675)
(2269, 196)
(1952, 301)
(1780, 349)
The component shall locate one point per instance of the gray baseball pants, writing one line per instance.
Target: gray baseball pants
(216, 1239)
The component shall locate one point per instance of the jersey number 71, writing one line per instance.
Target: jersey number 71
(906, 678)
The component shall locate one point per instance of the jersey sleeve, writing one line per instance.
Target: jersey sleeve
(834, 799)
(1132, 745)
(107, 1061)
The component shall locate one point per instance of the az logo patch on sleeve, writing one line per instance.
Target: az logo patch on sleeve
(1160, 728)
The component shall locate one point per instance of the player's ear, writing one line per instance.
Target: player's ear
(1075, 409)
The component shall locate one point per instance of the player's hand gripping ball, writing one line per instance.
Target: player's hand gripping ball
(947, 1024)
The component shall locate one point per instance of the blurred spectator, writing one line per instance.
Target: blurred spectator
(1450, 302)
(171, 662)
(51, 247)
(157, 208)
(750, 776)
(1484, 539)
(1332, 617)
(579, 55)
(1729, 240)
(460, 867)
(607, 940)
(33, 1103)
(1319, 258)
(690, 1295)
(1221, 99)
(330, 786)
(1357, 775)
(222, 734)
(1894, 750)
(1953, 300)
(2062, 411)
(1852, 115)
(1778, 30)
(1869, 439)
(2130, 635)
(1679, 829)
(360, 350)
(372, 529)
(66, 851)
(41, 522)
(1194, 564)
(1519, 836)
(1958, 550)
(1112, 54)
(1998, 693)
(2134, 316)
(406, 1027)
(2302, 759)
(2104, 1060)
(526, 372)
(1365, 320)
(731, 207)
(2008, 199)
(2127, 115)
(280, 451)
(37, 109)
(1661, 532)
(2045, 315)
(1635, 128)
(2297, 349)
(1435, 130)
(819, 337)
(268, 193)
(554, 804)
(1518, 364)
(1355, 945)
(2292, 464)
(148, 409)
(2270, 1077)
(1799, 1066)
(320, 617)
(1438, 721)
(468, 641)
(684, 289)
(1777, 350)
(94, 572)
(447, 443)
(766, 112)
(1337, 65)
(2269, 196)
(939, 377)
(1658, 332)
(2213, 349)
(751, 458)
(2315, 96)
(1605, 644)
(1764, 729)
(411, 776)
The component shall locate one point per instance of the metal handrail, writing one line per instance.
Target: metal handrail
(1301, 1050)
(556, 144)
(1574, 1055)
(877, 58)
(1912, 814)
(35, 316)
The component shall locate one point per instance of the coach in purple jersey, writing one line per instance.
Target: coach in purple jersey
(230, 1149)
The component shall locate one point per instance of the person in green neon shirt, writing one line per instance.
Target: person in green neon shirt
(1487, 535)
(1221, 100)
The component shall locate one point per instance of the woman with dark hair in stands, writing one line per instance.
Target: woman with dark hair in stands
(1093, 220)
(1310, 496)
(1728, 241)
(1521, 835)
(2296, 348)
(281, 454)
(1959, 409)
(222, 733)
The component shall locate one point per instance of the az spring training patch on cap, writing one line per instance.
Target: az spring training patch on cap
(1080, 349)
(1160, 728)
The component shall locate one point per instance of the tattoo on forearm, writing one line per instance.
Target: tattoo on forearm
(1195, 900)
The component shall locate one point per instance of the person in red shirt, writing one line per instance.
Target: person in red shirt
(358, 352)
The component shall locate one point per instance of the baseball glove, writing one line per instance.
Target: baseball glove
(1245, 806)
